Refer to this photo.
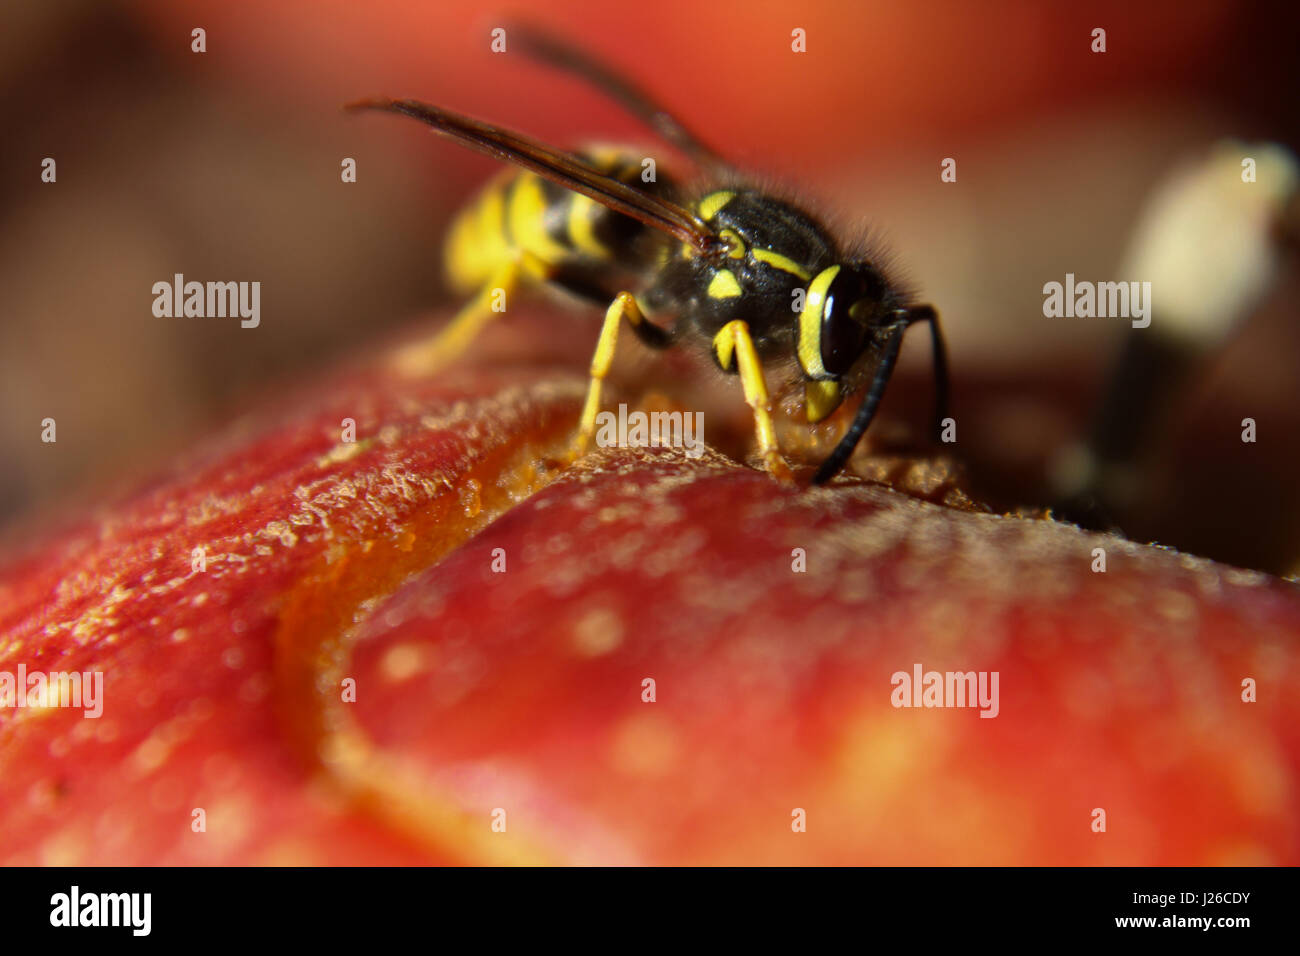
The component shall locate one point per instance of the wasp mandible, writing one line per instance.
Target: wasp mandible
(718, 267)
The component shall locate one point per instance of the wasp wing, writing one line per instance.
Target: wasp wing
(562, 168)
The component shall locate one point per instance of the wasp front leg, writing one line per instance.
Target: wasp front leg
(733, 343)
(623, 307)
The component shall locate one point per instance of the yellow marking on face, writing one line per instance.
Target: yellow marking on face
(784, 263)
(711, 203)
(820, 399)
(810, 323)
(737, 250)
(581, 233)
(527, 212)
(724, 285)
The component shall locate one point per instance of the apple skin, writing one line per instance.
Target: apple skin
(191, 716)
(516, 696)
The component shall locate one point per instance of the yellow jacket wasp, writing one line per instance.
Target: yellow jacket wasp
(727, 265)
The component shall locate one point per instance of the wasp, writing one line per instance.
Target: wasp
(724, 267)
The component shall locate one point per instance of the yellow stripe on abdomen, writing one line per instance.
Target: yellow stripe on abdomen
(519, 213)
(526, 218)
(477, 244)
(580, 228)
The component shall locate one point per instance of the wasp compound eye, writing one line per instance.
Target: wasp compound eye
(843, 334)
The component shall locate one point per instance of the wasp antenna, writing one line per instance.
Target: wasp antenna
(369, 103)
(556, 52)
(866, 411)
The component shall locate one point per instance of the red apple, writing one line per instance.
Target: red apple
(398, 647)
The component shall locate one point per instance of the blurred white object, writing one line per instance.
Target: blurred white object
(1207, 243)
(1205, 240)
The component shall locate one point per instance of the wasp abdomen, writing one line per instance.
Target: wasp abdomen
(522, 212)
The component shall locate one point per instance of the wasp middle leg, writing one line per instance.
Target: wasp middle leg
(623, 307)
